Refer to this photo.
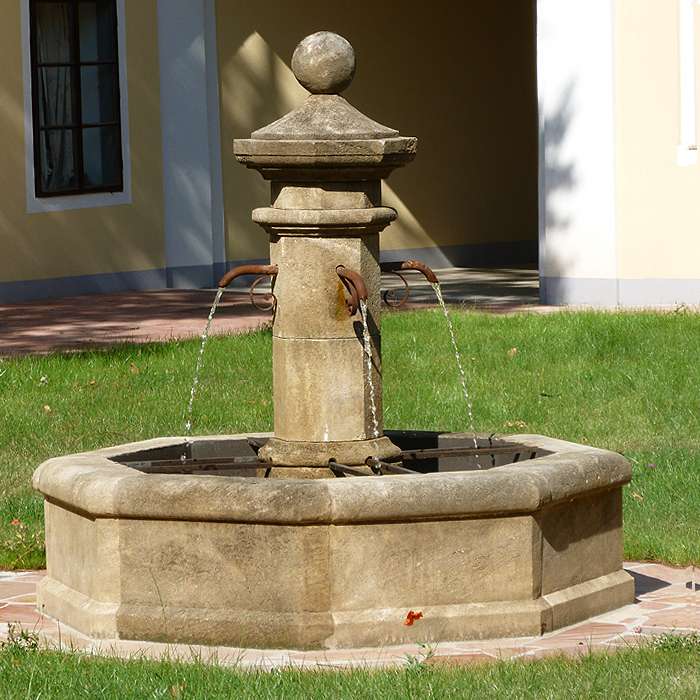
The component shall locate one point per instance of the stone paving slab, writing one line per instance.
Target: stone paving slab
(668, 601)
(103, 320)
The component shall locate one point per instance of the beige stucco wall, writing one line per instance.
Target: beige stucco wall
(657, 201)
(460, 76)
(83, 241)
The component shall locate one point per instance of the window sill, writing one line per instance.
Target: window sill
(43, 205)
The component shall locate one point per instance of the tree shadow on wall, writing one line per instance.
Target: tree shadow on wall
(557, 178)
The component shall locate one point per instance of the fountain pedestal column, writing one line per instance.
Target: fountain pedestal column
(325, 161)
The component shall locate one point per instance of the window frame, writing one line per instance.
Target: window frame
(78, 126)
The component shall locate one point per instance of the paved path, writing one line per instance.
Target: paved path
(105, 319)
(668, 601)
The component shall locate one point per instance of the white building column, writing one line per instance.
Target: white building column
(575, 75)
(189, 100)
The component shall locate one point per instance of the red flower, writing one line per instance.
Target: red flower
(412, 617)
(15, 522)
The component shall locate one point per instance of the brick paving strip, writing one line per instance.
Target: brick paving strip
(668, 601)
(102, 320)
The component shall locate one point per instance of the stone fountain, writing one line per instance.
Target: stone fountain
(328, 532)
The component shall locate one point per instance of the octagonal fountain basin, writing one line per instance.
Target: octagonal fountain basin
(526, 541)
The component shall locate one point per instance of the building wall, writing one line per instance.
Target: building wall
(658, 199)
(195, 253)
(619, 214)
(577, 172)
(94, 247)
(459, 76)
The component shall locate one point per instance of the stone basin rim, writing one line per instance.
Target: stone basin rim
(94, 484)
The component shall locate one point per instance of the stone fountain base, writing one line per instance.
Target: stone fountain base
(511, 550)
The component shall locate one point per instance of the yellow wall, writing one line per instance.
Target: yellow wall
(460, 76)
(658, 212)
(83, 241)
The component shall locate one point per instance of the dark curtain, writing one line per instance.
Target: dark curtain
(53, 28)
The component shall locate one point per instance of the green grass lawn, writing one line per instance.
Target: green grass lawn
(627, 382)
(666, 669)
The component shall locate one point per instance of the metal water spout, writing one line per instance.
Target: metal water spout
(356, 287)
(261, 272)
(325, 161)
(398, 268)
(241, 270)
(406, 265)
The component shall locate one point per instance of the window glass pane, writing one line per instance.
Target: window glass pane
(101, 156)
(98, 32)
(57, 162)
(55, 96)
(53, 30)
(98, 85)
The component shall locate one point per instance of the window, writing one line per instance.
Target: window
(75, 97)
(687, 153)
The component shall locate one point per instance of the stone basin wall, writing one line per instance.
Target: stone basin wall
(514, 550)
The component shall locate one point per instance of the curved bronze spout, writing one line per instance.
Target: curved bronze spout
(410, 265)
(247, 270)
(353, 282)
(390, 296)
(269, 302)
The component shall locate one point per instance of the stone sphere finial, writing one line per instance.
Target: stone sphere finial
(324, 63)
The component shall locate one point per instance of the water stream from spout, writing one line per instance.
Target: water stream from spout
(460, 366)
(368, 360)
(200, 362)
